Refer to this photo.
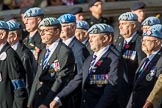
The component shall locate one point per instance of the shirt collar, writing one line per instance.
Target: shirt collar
(15, 46)
(102, 51)
(53, 45)
(130, 38)
(67, 42)
(150, 57)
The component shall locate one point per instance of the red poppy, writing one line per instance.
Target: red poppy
(127, 46)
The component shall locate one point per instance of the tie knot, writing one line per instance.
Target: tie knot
(47, 50)
(94, 57)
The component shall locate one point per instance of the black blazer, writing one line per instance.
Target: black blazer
(36, 42)
(50, 80)
(12, 89)
(103, 95)
(29, 63)
(145, 82)
(132, 65)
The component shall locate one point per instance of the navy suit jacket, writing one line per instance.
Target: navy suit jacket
(144, 83)
(102, 95)
(80, 52)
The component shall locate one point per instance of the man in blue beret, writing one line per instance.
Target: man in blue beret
(56, 65)
(128, 44)
(138, 9)
(148, 22)
(96, 17)
(68, 23)
(100, 75)
(82, 35)
(150, 67)
(12, 85)
(78, 12)
(24, 53)
(32, 17)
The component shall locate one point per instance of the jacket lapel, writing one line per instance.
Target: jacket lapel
(152, 63)
(98, 67)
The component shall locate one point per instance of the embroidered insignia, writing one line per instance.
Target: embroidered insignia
(149, 77)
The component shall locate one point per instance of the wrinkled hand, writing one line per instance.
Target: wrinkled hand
(43, 106)
(148, 105)
(54, 104)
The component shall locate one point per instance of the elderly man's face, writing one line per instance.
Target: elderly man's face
(67, 30)
(81, 34)
(149, 44)
(48, 34)
(31, 23)
(11, 37)
(126, 28)
(97, 41)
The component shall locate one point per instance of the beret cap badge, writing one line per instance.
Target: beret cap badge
(149, 32)
(46, 22)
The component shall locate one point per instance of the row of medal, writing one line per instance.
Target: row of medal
(98, 79)
(129, 54)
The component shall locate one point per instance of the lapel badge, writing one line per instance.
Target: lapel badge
(149, 77)
(3, 56)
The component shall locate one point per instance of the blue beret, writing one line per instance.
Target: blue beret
(50, 21)
(33, 12)
(76, 10)
(150, 21)
(100, 28)
(154, 31)
(82, 25)
(3, 25)
(137, 5)
(13, 25)
(92, 2)
(128, 16)
(67, 18)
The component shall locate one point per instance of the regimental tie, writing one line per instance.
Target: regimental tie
(143, 67)
(92, 64)
(46, 58)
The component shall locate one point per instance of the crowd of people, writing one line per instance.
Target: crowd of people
(16, 4)
(77, 62)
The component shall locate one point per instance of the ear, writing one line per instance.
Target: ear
(3, 35)
(39, 19)
(15, 36)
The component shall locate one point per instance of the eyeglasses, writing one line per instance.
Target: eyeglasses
(45, 30)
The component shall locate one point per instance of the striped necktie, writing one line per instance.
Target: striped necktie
(143, 67)
(92, 64)
(46, 58)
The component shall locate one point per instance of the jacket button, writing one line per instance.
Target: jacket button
(39, 93)
(85, 90)
(84, 101)
(41, 83)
